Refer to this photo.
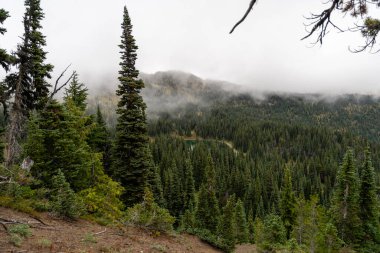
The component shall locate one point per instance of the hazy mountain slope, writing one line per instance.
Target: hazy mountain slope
(183, 94)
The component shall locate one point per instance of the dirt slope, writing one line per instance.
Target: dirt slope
(82, 236)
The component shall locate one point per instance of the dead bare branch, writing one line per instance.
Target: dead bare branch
(251, 4)
(322, 21)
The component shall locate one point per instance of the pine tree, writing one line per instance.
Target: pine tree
(57, 140)
(207, 212)
(368, 202)
(287, 203)
(99, 140)
(189, 186)
(5, 58)
(29, 85)
(77, 93)
(241, 223)
(64, 200)
(131, 165)
(345, 205)
(36, 93)
(227, 223)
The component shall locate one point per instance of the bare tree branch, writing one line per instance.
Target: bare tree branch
(321, 21)
(251, 4)
(60, 76)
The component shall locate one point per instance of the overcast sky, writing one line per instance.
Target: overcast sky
(264, 53)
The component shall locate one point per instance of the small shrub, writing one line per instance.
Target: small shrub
(44, 243)
(148, 214)
(16, 240)
(64, 201)
(159, 248)
(103, 200)
(90, 238)
(21, 230)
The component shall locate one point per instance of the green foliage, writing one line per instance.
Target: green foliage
(368, 202)
(287, 203)
(328, 239)
(207, 212)
(18, 233)
(99, 140)
(16, 240)
(242, 230)
(57, 140)
(76, 93)
(90, 238)
(271, 233)
(103, 200)
(131, 159)
(227, 223)
(149, 215)
(345, 206)
(31, 55)
(44, 243)
(4, 56)
(20, 229)
(64, 201)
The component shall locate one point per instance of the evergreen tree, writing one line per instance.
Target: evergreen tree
(189, 186)
(35, 94)
(57, 140)
(368, 202)
(99, 140)
(29, 85)
(5, 58)
(227, 223)
(64, 201)
(345, 206)
(77, 93)
(241, 223)
(131, 164)
(207, 212)
(287, 203)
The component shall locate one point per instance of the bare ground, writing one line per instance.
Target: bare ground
(82, 236)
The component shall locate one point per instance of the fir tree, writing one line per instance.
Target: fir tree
(57, 140)
(287, 203)
(29, 85)
(207, 212)
(64, 200)
(241, 223)
(131, 164)
(345, 206)
(368, 202)
(227, 223)
(5, 58)
(36, 93)
(189, 186)
(77, 93)
(99, 140)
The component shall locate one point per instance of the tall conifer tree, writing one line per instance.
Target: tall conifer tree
(131, 159)
(368, 201)
(345, 206)
(29, 85)
(287, 203)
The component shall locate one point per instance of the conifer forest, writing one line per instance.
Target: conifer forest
(172, 153)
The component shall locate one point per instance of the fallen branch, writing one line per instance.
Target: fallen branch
(101, 232)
